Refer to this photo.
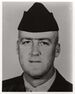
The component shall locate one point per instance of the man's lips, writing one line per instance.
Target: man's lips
(33, 61)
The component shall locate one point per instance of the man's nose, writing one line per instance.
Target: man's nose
(35, 50)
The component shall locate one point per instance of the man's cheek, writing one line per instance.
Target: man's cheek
(45, 57)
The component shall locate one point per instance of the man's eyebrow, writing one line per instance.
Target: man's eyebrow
(26, 38)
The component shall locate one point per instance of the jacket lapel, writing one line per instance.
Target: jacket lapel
(20, 85)
(57, 83)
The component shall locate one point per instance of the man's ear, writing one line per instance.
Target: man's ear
(17, 46)
(57, 50)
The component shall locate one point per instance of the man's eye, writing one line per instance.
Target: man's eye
(25, 42)
(44, 43)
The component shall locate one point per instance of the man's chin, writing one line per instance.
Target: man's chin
(36, 76)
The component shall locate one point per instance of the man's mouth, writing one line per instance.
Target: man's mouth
(33, 61)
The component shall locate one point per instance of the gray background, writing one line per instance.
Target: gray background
(12, 14)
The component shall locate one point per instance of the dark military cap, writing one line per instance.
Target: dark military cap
(38, 19)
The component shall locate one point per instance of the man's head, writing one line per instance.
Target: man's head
(38, 41)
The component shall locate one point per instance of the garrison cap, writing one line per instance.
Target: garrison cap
(38, 19)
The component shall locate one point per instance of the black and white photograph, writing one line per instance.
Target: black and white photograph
(37, 47)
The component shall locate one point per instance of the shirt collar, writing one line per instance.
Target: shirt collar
(44, 87)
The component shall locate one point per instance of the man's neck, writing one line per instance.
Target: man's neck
(37, 82)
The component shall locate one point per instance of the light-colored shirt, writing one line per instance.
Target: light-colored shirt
(43, 87)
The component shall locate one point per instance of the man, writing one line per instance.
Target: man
(38, 47)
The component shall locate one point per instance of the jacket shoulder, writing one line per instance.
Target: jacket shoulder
(61, 84)
(7, 85)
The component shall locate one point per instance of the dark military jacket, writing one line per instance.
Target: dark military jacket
(17, 84)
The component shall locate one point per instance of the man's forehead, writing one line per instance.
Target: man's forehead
(23, 34)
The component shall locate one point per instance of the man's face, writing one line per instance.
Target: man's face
(37, 51)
